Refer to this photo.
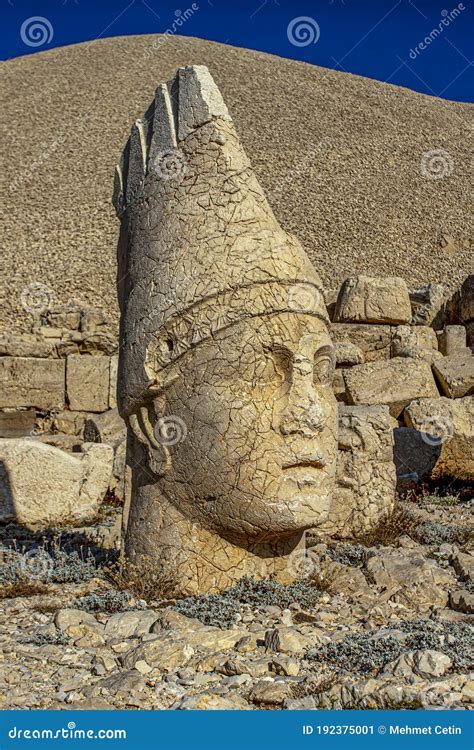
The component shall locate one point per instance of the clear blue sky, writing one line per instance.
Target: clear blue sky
(425, 45)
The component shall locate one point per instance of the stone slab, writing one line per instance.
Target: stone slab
(87, 381)
(29, 382)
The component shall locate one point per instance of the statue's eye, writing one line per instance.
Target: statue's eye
(323, 369)
(273, 366)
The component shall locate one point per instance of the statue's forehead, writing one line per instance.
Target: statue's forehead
(288, 330)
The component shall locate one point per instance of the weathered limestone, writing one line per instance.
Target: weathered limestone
(366, 478)
(87, 383)
(366, 299)
(427, 305)
(348, 354)
(232, 422)
(28, 382)
(446, 428)
(15, 424)
(414, 580)
(452, 341)
(395, 383)
(460, 308)
(417, 342)
(374, 341)
(27, 345)
(455, 375)
(43, 486)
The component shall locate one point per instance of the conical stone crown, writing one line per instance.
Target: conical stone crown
(200, 247)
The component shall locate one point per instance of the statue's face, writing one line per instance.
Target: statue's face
(258, 420)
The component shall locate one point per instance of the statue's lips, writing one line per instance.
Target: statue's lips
(307, 471)
(317, 462)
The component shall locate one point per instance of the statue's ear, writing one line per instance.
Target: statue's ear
(144, 424)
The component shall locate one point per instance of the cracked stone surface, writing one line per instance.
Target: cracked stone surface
(226, 362)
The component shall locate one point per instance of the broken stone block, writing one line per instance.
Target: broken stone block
(113, 381)
(452, 341)
(68, 423)
(93, 321)
(42, 486)
(460, 308)
(372, 340)
(416, 582)
(447, 427)
(455, 375)
(368, 299)
(64, 316)
(395, 383)
(427, 304)
(26, 345)
(14, 424)
(462, 601)
(348, 354)
(87, 382)
(28, 382)
(366, 478)
(417, 342)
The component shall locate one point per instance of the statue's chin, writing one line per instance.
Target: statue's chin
(271, 520)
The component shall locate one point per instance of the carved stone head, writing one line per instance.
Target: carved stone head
(226, 363)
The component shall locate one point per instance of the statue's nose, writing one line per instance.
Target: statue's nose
(304, 413)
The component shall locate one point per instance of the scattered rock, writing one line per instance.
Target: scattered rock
(43, 486)
(462, 601)
(28, 382)
(87, 383)
(366, 299)
(427, 305)
(374, 341)
(415, 581)
(447, 426)
(455, 375)
(395, 383)
(269, 693)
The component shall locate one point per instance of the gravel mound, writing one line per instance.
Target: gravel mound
(346, 162)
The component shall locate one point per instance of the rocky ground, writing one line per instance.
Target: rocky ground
(371, 177)
(382, 624)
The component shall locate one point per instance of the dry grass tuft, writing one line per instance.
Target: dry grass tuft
(400, 522)
(141, 578)
(22, 587)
